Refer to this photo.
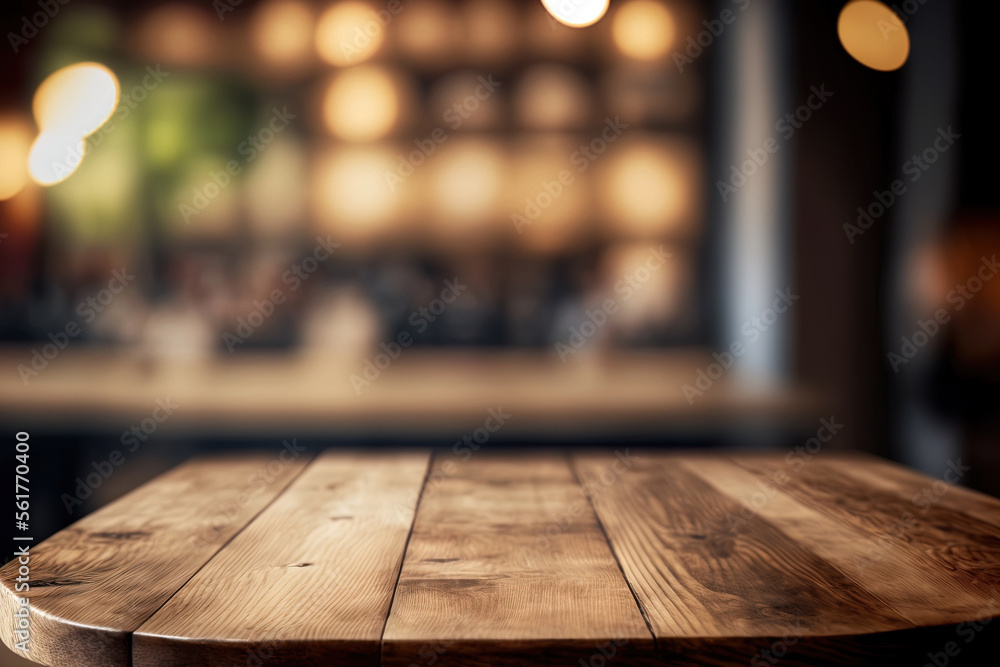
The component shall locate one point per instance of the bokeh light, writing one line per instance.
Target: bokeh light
(466, 184)
(282, 31)
(103, 202)
(76, 100)
(15, 144)
(361, 104)
(350, 193)
(178, 34)
(490, 30)
(349, 33)
(543, 36)
(643, 29)
(427, 32)
(660, 299)
(577, 13)
(552, 97)
(874, 35)
(54, 157)
(650, 188)
(549, 196)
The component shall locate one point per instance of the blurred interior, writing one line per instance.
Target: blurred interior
(287, 187)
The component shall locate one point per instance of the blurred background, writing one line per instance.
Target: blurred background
(687, 224)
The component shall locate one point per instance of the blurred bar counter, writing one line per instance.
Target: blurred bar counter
(422, 393)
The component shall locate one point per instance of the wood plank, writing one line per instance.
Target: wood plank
(958, 547)
(883, 474)
(715, 596)
(925, 596)
(95, 582)
(312, 577)
(507, 565)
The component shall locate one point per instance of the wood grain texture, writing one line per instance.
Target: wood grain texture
(524, 559)
(901, 524)
(922, 490)
(924, 596)
(717, 591)
(507, 565)
(95, 582)
(309, 582)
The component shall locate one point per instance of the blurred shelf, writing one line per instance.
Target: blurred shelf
(422, 393)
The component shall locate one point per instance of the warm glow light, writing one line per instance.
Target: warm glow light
(282, 30)
(179, 33)
(491, 30)
(466, 183)
(361, 104)
(351, 195)
(275, 188)
(552, 97)
(661, 299)
(650, 188)
(643, 29)
(543, 36)
(54, 157)
(427, 32)
(874, 35)
(577, 13)
(15, 143)
(349, 33)
(550, 200)
(76, 100)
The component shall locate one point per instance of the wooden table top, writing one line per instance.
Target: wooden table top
(624, 558)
